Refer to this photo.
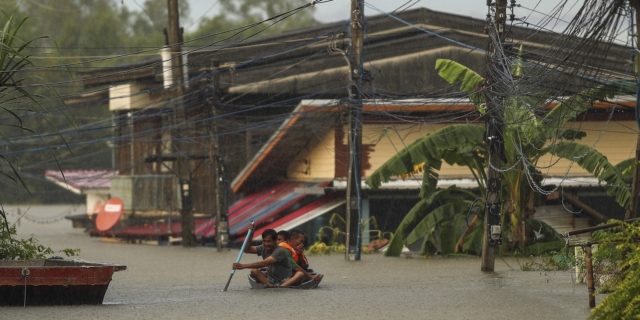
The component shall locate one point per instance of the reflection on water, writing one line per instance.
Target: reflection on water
(42, 219)
(176, 282)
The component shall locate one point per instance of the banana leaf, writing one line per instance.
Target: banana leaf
(428, 151)
(598, 165)
(577, 104)
(417, 212)
(446, 212)
(470, 81)
(473, 243)
(626, 167)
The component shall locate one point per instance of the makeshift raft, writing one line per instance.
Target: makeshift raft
(54, 282)
(306, 283)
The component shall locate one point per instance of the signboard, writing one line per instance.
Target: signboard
(109, 214)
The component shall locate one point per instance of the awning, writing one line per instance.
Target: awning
(261, 207)
(302, 215)
(207, 229)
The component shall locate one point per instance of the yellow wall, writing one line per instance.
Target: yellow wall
(617, 143)
(389, 139)
(321, 154)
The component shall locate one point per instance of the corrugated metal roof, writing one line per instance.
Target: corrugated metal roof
(261, 207)
(302, 215)
(79, 181)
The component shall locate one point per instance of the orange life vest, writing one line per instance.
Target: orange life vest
(294, 253)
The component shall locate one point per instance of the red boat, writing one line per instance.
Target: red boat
(54, 282)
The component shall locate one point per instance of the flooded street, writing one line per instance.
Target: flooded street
(171, 282)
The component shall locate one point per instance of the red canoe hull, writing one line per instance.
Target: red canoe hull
(54, 282)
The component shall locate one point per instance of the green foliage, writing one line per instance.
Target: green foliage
(552, 261)
(88, 34)
(14, 99)
(430, 224)
(456, 143)
(31, 104)
(598, 165)
(470, 81)
(26, 249)
(336, 244)
(525, 135)
(237, 14)
(626, 167)
(622, 247)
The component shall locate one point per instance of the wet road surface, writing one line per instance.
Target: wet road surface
(171, 282)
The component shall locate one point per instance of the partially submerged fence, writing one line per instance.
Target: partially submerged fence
(588, 253)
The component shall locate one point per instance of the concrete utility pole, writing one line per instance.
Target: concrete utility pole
(221, 183)
(494, 138)
(354, 170)
(180, 146)
(635, 185)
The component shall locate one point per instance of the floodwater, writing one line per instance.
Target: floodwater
(171, 282)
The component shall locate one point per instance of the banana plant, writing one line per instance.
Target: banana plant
(14, 98)
(529, 134)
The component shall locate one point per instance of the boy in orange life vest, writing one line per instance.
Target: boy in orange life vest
(298, 271)
(296, 240)
(283, 236)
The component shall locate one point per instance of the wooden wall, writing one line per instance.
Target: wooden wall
(317, 162)
(617, 143)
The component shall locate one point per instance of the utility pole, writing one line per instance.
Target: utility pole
(494, 135)
(354, 170)
(221, 182)
(635, 185)
(180, 146)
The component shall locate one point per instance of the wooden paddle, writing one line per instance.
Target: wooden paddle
(233, 271)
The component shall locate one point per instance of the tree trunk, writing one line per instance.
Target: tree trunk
(472, 225)
(527, 210)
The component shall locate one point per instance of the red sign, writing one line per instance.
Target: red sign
(109, 214)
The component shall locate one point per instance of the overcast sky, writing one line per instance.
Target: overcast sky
(339, 9)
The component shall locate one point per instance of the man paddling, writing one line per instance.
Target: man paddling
(275, 259)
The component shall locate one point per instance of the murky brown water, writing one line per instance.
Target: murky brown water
(176, 283)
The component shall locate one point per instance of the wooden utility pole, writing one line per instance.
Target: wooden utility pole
(180, 145)
(354, 170)
(635, 185)
(221, 182)
(494, 137)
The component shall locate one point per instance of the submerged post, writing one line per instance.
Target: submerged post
(590, 283)
(178, 144)
(494, 136)
(354, 170)
(218, 157)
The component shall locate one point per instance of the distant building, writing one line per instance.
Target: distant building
(95, 184)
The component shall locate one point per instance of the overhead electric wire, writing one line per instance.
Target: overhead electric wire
(277, 19)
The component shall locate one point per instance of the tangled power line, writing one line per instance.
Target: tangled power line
(560, 64)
